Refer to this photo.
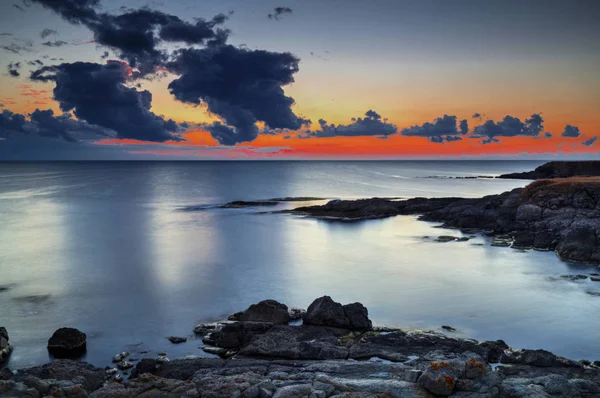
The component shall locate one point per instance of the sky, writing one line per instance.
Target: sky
(299, 79)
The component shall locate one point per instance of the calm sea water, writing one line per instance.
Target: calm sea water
(106, 248)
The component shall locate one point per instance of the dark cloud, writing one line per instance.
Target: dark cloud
(476, 115)
(548, 134)
(44, 124)
(371, 125)
(509, 127)
(590, 142)
(279, 12)
(135, 34)
(440, 130)
(239, 85)
(47, 32)
(105, 55)
(57, 43)
(13, 69)
(98, 95)
(35, 62)
(18, 7)
(5, 34)
(571, 131)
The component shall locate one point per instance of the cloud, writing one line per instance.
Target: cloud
(548, 134)
(590, 142)
(279, 12)
(239, 85)
(476, 115)
(509, 127)
(18, 7)
(97, 94)
(57, 43)
(571, 131)
(440, 130)
(371, 125)
(17, 48)
(44, 124)
(5, 34)
(47, 32)
(135, 34)
(13, 69)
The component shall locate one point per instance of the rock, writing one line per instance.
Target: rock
(448, 328)
(437, 382)
(84, 374)
(326, 312)
(238, 204)
(494, 350)
(120, 357)
(445, 238)
(559, 169)
(177, 340)
(5, 347)
(265, 311)
(147, 385)
(124, 365)
(67, 343)
(296, 313)
(237, 334)
(574, 278)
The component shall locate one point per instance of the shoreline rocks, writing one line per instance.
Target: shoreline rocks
(280, 360)
(67, 343)
(562, 215)
(5, 347)
(559, 169)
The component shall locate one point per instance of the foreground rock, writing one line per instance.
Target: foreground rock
(559, 214)
(318, 361)
(326, 312)
(5, 347)
(583, 168)
(265, 311)
(67, 343)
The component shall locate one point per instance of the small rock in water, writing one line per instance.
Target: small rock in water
(463, 239)
(573, 278)
(445, 238)
(448, 328)
(123, 365)
(67, 343)
(111, 371)
(595, 279)
(215, 350)
(592, 293)
(120, 357)
(177, 340)
(118, 378)
(162, 354)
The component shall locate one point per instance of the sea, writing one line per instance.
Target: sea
(134, 252)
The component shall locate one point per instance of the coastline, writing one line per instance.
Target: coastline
(335, 352)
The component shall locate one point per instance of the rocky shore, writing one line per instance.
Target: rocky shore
(334, 352)
(582, 168)
(560, 214)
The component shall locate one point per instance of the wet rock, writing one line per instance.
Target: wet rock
(448, 328)
(574, 278)
(445, 238)
(595, 279)
(264, 311)
(147, 385)
(437, 381)
(494, 350)
(124, 365)
(120, 357)
(177, 340)
(296, 313)
(67, 343)
(5, 347)
(238, 204)
(326, 312)
(237, 334)
(82, 373)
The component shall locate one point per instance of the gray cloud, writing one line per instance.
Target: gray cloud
(370, 125)
(571, 131)
(440, 130)
(279, 12)
(509, 127)
(47, 32)
(590, 142)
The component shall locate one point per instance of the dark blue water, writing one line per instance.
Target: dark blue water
(106, 248)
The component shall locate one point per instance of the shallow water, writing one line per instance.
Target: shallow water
(106, 248)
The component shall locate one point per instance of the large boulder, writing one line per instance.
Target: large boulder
(83, 373)
(67, 343)
(5, 347)
(326, 312)
(266, 311)
(237, 334)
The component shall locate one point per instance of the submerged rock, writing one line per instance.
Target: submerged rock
(177, 340)
(67, 343)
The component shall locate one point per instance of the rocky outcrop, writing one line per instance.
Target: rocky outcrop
(559, 169)
(265, 311)
(326, 312)
(560, 214)
(238, 204)
(67, 343)
(5, 347)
